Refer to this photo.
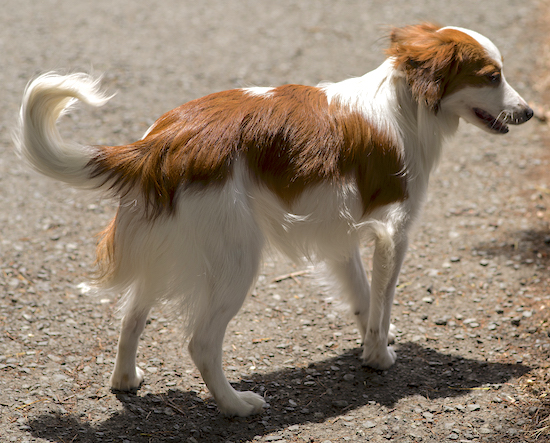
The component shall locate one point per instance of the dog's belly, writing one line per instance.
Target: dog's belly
(323, 222)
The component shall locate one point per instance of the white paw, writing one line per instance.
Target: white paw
(244, 404)
(392, 334)
(121, 381)
(378, 357)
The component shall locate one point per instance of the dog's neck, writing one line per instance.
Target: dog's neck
(385, 99)
(422, 131)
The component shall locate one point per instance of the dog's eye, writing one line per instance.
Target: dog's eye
(494, 78)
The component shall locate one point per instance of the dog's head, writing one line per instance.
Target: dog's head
(458, 71)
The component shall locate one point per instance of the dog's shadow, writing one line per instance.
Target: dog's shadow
(322, 391)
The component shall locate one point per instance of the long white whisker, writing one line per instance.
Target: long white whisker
(502, 117)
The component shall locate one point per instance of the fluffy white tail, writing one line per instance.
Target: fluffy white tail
(37, 139)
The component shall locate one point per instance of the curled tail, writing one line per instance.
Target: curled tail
(37, 139)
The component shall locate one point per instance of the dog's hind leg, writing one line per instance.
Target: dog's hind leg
(231, 274)
(389, 253)
(126, 375)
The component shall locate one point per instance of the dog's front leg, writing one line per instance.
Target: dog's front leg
(352, 278)
(389, 253)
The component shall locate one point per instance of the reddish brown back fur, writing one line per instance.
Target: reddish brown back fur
(438, 63)
(290, 138)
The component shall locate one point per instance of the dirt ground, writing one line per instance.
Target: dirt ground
(473, 298)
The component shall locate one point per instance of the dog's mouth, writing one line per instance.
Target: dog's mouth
(492, 123)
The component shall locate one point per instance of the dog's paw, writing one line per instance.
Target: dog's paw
(379, 357)
(125, 381)
(392, 333)
(243, 404)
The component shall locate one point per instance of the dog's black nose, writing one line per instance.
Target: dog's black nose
(529, 113)
(522, 116)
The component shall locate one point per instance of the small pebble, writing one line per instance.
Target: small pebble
(340, 403)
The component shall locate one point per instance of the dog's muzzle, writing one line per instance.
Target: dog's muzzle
(517, 118)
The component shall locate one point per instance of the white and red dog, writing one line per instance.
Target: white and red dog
(307, 169)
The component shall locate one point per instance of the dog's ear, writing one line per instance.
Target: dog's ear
(427, 58)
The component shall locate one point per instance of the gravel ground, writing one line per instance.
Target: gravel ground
(472, 301)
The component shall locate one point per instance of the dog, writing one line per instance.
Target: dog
(309, 170)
